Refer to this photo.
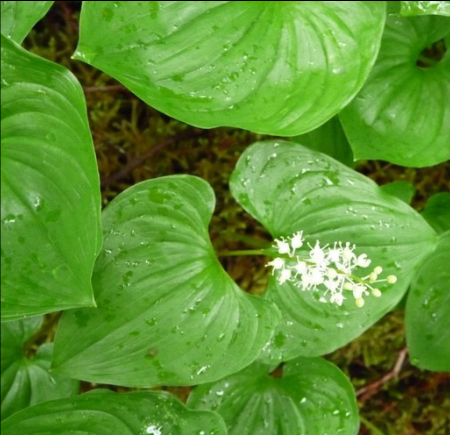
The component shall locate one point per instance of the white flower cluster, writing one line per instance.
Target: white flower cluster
(329, 266)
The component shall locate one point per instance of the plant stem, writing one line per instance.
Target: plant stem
(246, 252)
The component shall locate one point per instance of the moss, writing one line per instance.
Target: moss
(134, 142)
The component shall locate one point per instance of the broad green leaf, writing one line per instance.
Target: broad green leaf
(402, 114)
(289, 188)
(426, 8)
(19, 17)
(312, 397)
(168, 314)
(276, 68)
(403, 190)
(26, 381)
(329, 139)
(49, 188)
(437, 212)
(428, 311)
(106, 413)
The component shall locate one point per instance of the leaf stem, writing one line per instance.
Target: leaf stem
(246, 252)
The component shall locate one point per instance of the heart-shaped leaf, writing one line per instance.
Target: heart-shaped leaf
(402, 113)
(312, 397)
(49, 188)
(277, 68)
(25, 381)
(289, 188)
(426, 8)
(428, 311)
(168, 314)
(19, 17)
(106, 413)
(329, 139)
(437, 212)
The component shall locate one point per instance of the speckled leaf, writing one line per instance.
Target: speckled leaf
(26, 381)
(49, 188)
(437, 212)
(277, 68)
(403, 190)
(18, 17)
(426, 8)
(312, 397)
(329, 139)
(428, 311)
(402, 114)
(106, 413)
(168, 314)
(289, 188)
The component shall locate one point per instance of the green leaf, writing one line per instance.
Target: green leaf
(19, 17)
(426, 8)
(437, 212)
(25, 381)
(168, 314)
(403, 190)
(312, 397)
(289, 188)
(106, 413)
(329, 139)
(49, 188)
(428, 311)
(268, 67)
(402, 113)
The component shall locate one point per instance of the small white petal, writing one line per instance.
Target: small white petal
(284, 276)
(297, 240)
(282, 246)
(363, 261)
(358, 291)
(332, 273)
(337, 298)
(301, 267)
(277, 263)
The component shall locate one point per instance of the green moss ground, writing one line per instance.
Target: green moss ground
(134, 142)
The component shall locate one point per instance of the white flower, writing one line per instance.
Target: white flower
(300, 268)
(337, 298)
(285, 275)
(332, 270)
(282, 246)
(363, 261)
(277, 264)
(297, 240)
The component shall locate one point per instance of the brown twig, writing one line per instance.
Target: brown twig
(141, 159)
(370, 389)
(91, 89)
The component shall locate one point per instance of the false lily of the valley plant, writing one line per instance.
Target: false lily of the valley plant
(144, 300)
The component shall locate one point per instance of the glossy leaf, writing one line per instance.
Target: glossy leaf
(403, 190)
(106, 413)
(402, 113)
(19, 17)
(437, 212)
(329, 139)
(268, 67)
(312, 397)
(426, 8)
(49, 188)
(26, 381)
(428, 311)
(289, 188)
(168, 314)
